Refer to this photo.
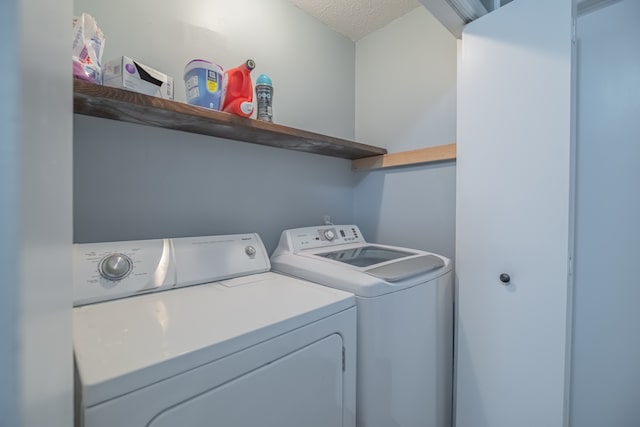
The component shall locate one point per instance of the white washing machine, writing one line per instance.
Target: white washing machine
(405, 320)
(196, 331)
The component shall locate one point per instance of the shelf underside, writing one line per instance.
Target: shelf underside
(123, 105)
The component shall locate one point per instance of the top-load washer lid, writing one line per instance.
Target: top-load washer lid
(405, 264)
(338, 256)
(365, 256)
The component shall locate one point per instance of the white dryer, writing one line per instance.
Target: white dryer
(245, 347)
(405, 320)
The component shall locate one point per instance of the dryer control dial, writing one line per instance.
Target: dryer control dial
(115, 266)
(329, 235)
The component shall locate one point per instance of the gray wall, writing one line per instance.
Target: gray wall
(36, 359)
(409, 206)
(134, 182)
(406, 99)
(606, 369)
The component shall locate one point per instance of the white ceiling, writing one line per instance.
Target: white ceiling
(356, 18)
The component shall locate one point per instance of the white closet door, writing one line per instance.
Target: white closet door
(514, 216)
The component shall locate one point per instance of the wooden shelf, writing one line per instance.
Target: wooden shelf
(436, 154)
(123, 105)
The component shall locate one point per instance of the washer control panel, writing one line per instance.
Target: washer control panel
(319, 237)
(110, 270)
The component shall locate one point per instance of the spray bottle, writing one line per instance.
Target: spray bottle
(264, 95)
(238, 97)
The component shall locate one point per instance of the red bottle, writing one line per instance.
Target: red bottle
(238, 97)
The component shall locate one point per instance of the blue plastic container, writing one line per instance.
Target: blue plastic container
(203, 84)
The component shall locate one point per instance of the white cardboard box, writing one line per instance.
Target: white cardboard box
(125, 73)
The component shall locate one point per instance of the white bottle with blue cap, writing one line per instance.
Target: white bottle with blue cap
(264, 95)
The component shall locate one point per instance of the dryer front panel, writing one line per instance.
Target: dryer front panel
(305, 377)
(301, 389)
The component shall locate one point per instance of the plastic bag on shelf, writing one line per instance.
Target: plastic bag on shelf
(88, 45)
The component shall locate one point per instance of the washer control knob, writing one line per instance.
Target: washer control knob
(115, 267)
(250, 250)
(329, 235)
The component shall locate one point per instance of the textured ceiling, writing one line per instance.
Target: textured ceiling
(356, 18)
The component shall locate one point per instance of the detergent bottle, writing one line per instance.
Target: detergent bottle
(238, 97)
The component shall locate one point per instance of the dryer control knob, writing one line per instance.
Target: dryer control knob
(250, 251)
(329, 235)
(115, 267)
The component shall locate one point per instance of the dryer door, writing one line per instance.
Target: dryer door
(304, 377)
(303, 388)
